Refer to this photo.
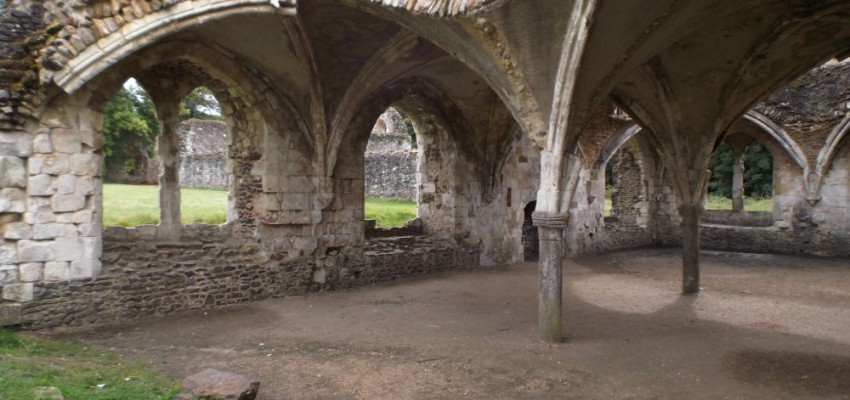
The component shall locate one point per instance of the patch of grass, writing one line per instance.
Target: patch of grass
(133, 205)
(750, 204)
(79, 373)
(389, 213)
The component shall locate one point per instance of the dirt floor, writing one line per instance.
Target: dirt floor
(764, 327)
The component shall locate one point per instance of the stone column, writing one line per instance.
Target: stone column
(551, 228)
(738, 182)
(690, 214)
(168, 149)
(738, 144)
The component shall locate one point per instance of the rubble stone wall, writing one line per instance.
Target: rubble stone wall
(390, 162)
(207, 269)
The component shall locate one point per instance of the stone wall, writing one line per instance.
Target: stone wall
(203, 159)
(207, 269)
(204, 171)
(390, 166)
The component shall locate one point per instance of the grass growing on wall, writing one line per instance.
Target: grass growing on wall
(78, 372)
(132, 205)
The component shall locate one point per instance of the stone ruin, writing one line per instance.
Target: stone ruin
(203, 159)
(391, 160)
(517, 107)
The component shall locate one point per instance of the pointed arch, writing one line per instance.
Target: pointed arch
(825, 158)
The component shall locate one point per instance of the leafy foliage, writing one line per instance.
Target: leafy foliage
(129, 124)
(200, 104)
(758, 172)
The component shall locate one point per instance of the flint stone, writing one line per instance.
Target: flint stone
(10, 314)
(213, 384)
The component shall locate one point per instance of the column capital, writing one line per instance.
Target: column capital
(549, 219)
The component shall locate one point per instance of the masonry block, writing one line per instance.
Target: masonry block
(40, 185)
(57, 271)
(86, 268)
(68, 202)
(9, 274)
(53, 230)
(41, 144)
(8, 253)
(30, 272)
(12, 200)
(53, 164)
(66, 184)
(17, 231)
(36, 251)
(12, 172)
(18, 144)
(69, 248)
(19, 292)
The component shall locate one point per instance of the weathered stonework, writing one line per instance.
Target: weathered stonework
(502, 120)
(390, 163)
(208, 270)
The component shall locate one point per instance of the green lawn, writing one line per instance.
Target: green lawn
(79, 373)
(389, 213)
(132, 205)
(713, 203)
(750, 204)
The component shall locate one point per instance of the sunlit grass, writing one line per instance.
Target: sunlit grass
(79, 373)
(389, 213)
(712, 203)
(750, 204)
(133, 205)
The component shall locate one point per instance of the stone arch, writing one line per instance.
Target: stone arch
(253, 111)
(614, 145)
(118, 44)
(780, 136)
(825, 157)
(439, 145)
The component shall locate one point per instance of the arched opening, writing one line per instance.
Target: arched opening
(134, 150)
(530, 237)
(611, 176)
(204, 176)
(130, 132)
(741, 176)
(390, 171)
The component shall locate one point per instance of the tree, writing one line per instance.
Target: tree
(130, 127)
(758, 171)
(200, 104)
